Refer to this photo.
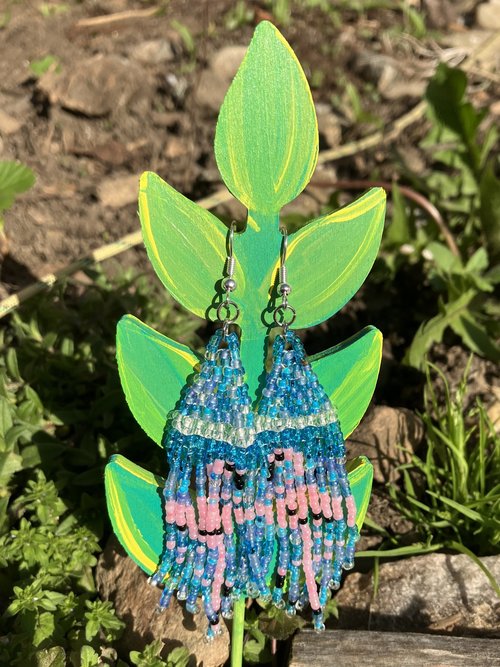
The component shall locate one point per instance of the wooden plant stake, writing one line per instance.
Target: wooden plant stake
(266, 147)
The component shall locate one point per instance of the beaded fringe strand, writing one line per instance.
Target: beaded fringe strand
(273, 515)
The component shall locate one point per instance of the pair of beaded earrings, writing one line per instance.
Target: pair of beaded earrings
(273, 515)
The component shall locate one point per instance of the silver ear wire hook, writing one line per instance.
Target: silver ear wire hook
(280, 312)
(229, 285)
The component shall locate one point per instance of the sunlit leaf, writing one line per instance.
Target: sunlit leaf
(341, 248)
(266, 143)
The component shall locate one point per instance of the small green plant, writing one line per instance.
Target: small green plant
(150, 656)
(461, 184)
(15, 178)
(57, 366)
(282, 10)
(240, 14)
(466, 304)
(39, 67)
(50, 556)
(48, 9)
(186, 36)
(451, 494)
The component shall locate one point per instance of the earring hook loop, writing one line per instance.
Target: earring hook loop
(284, 315)
(228, 310)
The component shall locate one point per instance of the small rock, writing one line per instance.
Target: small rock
(109, 152)
(441, 592)
(120, 191)
(153, 52)
(393, 78)
(328, 125)
(440, 13)
(468, 40)
(176, 87)
(215, 80)
(175, 148)
(381, 436)
(8, 124)
(402, 88)
(373, 66)
(494, 409)
(488, 15)
(120, 580)
(94, 87)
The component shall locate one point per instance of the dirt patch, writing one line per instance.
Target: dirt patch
(121, 97)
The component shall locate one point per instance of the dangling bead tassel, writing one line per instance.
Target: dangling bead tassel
(213, 547)
(302, 449)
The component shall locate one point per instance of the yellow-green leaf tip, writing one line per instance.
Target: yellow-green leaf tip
(266, 142)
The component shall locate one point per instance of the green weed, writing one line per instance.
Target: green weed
(15, 178)
(451, 494)
(461, 183)
(62, 414)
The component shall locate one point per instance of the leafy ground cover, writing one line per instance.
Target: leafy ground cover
(434, 286)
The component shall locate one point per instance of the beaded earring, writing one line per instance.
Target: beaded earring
(303, 450)
(206, 554)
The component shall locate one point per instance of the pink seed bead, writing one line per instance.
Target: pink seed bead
(351, 511)
(338, 515)
(326, 506)
(250, 514)
(226, 520)
(218, 466)
(259, 508)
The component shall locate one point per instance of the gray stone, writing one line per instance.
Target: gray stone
(9, 124)
(440, 13)
(383, 436)
(437, 592)
(153, 52)
(120, 580)
(215, 80)
(488, 15)
(96, 86)
(328, 125)
(119, 191)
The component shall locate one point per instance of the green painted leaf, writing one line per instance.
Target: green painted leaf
(329, 259)
(185, 243)
(187, 247)
(266, 143)
(349, 373)
(153, 370)
(134, 498)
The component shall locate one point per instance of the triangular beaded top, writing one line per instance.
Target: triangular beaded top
(216, 409)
